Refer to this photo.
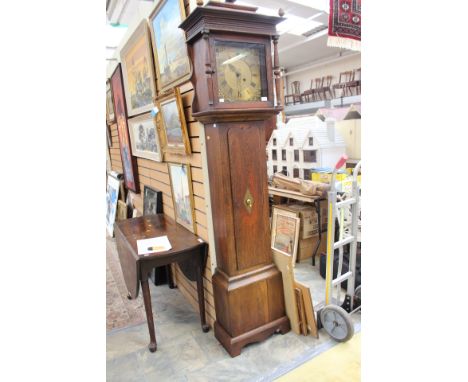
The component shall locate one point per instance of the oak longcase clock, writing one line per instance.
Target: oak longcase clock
(235, 80)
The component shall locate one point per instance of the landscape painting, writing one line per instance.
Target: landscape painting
(174, 125)
(144, 137)
(169, 48)
(128, 162)
(112, 196)
(138, 75)
(181, 185)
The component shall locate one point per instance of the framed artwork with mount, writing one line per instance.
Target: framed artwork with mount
(182, 195)
(110, 114)
(144, 137)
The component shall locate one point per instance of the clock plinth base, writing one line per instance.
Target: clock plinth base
(234, 345)
(249, 307)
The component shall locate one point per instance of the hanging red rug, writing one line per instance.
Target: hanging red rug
(344, 24)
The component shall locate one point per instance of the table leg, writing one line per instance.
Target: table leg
(149, 313)
(170, 281)
(200, 289)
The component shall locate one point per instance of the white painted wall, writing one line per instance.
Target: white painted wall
(321, 69)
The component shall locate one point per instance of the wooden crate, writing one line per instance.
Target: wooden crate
(306, 247)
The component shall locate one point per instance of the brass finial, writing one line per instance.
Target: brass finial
(281, 12)
(230, 1)
(199, 3)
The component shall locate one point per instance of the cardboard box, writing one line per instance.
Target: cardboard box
(308, 216)
(306, 247)
(325, 177)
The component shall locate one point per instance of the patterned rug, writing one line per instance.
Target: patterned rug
(120, 311)
(344, 24)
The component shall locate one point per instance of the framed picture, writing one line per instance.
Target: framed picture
(112, 197)
(108, 136)
(182, 195)
(138, 72)
(128, 162)
(144, 137)
(173, 125)
(110, 117)
(152, 201)
(285, 232)
(169, 48)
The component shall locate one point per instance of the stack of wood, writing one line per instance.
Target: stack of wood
(306, 187)
(299, 306)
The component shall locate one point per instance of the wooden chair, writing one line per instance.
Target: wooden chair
(326, 87)
(311, 94)
(355, 82)
(296, 93)
(344, 79)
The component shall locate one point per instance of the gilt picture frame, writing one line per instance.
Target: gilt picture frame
(130, 170)
(173, 124)
(182, 195)
(138, 71)
(112, 197)
(171, 58)
(144, 137)
(285, 229)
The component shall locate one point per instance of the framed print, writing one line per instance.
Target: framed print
(285, 232)
(173, 125)
(152, 201)
(128, 162)
(137, 71)
(182, 195)
(108, 136)
(112, 197)
(170, 51)
(144, 137)
(110, 117)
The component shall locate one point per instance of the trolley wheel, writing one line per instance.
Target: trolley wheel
(357, 292)
(337, 323)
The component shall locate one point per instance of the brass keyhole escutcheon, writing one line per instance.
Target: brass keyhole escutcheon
(248, 201)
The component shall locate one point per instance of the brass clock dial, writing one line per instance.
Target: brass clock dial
(240, 71)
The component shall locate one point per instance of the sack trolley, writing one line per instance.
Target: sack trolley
(336, 319)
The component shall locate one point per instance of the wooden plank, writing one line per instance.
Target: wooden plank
(187, 98)
(191, 288)
(193, 160)
(202, 232)
(195, 143)
(308, 309)
(197, 175)
(284, 264)
(161, 186)
(188, 114)
(200, 218)
(194, 129)
(160, 177)
(198, 189)
(199, 203)
(186, 87)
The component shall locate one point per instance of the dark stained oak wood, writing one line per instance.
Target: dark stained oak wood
(189, 251)
(247, 286)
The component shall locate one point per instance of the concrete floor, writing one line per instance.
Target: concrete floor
(185, 353)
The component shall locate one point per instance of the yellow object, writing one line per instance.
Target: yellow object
(341, 363)
(325, 177)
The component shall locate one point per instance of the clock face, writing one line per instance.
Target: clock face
(240, 69)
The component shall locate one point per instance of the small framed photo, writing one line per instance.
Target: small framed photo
(152, 201)
(144, 137)
(285, 229)
(173, 124)
(112, 197)
(182, 195)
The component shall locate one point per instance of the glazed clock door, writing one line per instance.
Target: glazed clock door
(241, 71)
(249, 194)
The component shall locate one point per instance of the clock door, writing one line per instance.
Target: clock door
(249, 197)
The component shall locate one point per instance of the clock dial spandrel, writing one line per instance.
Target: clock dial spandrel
(241, 73)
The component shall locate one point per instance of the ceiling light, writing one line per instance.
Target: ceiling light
(296, 25)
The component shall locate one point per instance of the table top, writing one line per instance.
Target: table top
(146, 227)
(127, 232)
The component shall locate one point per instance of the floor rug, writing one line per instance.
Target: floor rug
(344, 24)
(120, 311)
